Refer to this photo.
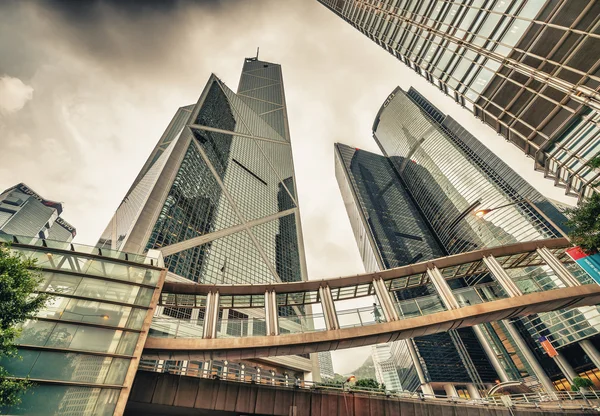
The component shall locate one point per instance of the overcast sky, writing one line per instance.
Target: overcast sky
(88, 87)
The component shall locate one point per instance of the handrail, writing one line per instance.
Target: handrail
(248, 375)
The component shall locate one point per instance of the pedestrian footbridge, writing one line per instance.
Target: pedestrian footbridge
(276, 319)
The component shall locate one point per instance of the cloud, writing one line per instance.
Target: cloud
(14, 94)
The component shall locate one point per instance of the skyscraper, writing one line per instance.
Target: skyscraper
(326, 365)
(450, 176)
(217, 195)
(23, 212)
(391, 232)
(528, 69)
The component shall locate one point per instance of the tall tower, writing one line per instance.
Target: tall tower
(391, 232)
(217, 195)
(450, 176)
(528, 69)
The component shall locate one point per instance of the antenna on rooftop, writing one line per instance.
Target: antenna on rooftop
(257, 49)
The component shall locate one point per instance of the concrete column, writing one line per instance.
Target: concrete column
(559, 269)
(450, 390)
(450, 301)
(502, 277)
(425, 386)
(211, 316)
(473, 391)
(565, 367)
(591, 351)
(490, 353)
(511, 288)
(442, 288)
(529, 357)
(385, 300)
(271, 315)
(328, 305)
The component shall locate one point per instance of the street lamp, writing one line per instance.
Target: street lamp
(480, 213)
(348, 380)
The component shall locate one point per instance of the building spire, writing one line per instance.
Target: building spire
(257, 49)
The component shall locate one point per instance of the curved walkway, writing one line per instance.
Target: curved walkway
(328, 340)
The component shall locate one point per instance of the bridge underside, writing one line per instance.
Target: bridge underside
(308, 342)
(169, 394)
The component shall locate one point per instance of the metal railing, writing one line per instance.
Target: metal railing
(77, 248)
(240, 373)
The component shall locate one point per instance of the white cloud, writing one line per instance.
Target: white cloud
(14, 94)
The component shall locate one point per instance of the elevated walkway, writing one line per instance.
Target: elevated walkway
(235, 348)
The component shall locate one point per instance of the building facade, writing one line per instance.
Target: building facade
(23, 212)
(386, 369)
(83, 348)
(217, 195)
(451, 176)
(528, 69)
(391, 232)
(326, 365)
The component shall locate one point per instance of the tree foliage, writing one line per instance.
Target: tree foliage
(584, 222)
(369, 383)
(595, 161)
(18, 301)
(581, 382)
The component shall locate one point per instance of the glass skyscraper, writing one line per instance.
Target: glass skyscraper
(391, 232)
(528, 69)
(217, 195)
(450, 175)
(23, 212)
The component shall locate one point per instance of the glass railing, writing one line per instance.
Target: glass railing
(479, 294)
(360, 317)
(237, 328)
(299, 324)
(163, 327)
(419, 306)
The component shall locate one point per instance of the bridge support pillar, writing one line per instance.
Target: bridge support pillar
(425, 386)
(565, 367)
(473, 391)
(442, 288)
(271, 315)
(591, 351)
(561, 271)
(537, 369)
(512, 290)
(328, 305)
(211, 316)
(385, 300)
(451, 303)
(502, 277)
(450, 390)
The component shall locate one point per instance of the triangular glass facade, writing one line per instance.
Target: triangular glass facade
(222, 204)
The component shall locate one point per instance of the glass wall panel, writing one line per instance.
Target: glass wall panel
(75, 367)
(77, 337)
(53, 400)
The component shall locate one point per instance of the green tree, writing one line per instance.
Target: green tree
(595, 161)
(584, 222)
(369, 383)
(581, 382)
(18, 301)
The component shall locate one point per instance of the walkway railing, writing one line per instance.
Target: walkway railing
(589, 400)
